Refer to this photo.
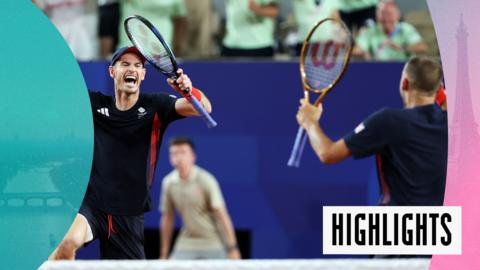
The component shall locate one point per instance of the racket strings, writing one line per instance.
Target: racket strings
(150, 46)
(323, 63)
(164, 62)
(327, 48)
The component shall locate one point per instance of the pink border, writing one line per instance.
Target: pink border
(458, 35)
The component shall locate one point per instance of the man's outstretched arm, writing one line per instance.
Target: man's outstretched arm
(182, 105)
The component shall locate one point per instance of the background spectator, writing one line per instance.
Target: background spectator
(250, 26)
(388, 39)
(109, 17)
(306, 13)
(356, 13)
(168, 16)
(202, 23)
(77, 22)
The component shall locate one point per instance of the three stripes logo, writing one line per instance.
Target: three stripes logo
(103, 111)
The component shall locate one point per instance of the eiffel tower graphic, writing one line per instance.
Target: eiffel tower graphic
(464, 140)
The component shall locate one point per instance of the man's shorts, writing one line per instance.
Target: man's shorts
(121, 237)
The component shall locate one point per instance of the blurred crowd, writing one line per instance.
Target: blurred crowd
(384, 30)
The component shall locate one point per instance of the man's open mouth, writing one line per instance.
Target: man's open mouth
(130, 80)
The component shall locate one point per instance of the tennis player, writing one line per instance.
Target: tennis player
(410, 144)
(128, 131)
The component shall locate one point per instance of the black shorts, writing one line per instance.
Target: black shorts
(121, 237)
(359, 17)
(260, 52)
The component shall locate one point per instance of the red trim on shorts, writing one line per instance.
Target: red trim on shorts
(154, 141)
(383, 183)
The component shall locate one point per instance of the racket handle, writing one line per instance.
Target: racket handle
(294, 160)
(203, 113)
(302, 147)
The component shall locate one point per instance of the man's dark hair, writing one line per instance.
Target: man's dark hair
(180, 141)
(424, 73)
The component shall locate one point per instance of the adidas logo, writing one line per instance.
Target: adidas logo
(103, 111)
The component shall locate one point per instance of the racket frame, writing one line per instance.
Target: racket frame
(323, 92)
(173, 75)
(160, 38)
(301, 138)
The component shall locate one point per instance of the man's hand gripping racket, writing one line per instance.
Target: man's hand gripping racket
(153, 47)
(324, 58)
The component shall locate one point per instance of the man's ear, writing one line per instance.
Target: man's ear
(110, 72)
(405, 84)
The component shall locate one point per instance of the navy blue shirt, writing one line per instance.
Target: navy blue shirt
(411, 150)
(126, 150)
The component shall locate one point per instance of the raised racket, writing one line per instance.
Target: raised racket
(324, 58)
(153, 47)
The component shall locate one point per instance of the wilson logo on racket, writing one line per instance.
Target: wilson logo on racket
(329, 45)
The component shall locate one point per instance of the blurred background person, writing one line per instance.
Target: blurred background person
(109, 18)
(356, 13)
(168, 16)
(416, 13)
(202, 24)
(77, 21)
(389, 39)
(250, 27)
(307, 13)
(207, 231)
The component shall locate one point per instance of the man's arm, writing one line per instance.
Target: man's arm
(414, 44)
(270, 10)
(185, 108)
(223, 217)
(360, 53)
(360, 50)
(328, 152)
(182, 105)
(417, 48)
(167, 221)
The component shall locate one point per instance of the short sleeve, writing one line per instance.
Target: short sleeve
(96, 99)
(166, 204)
(165, 107)
(371, 136)
(215, 198)
(411, 34)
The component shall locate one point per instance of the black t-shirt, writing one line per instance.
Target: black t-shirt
(126, 149)
(411, 148)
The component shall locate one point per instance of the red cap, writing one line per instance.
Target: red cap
(118, 53)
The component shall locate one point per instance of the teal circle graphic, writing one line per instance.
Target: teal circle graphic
(46, 136)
